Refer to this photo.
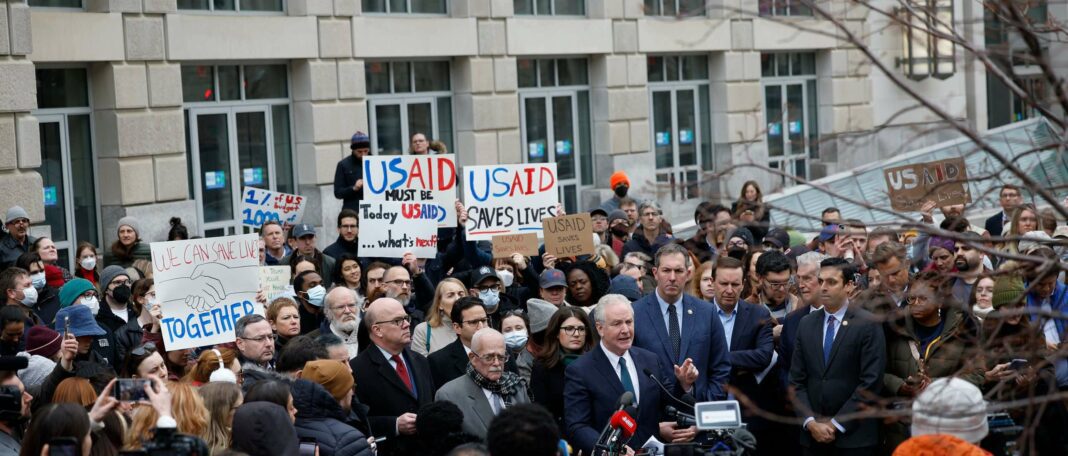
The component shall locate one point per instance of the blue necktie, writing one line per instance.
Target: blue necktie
(828, 340)
(624, 376)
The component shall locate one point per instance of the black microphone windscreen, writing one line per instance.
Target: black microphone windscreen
(648, 372)
(626, 400)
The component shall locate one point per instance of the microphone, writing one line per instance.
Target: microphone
(623, 427)
(625, 400)
(687, 400)
(682, 419)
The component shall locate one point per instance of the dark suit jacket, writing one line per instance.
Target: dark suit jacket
(386, 396)
(591, 390)
(852, 376)
(752, 343)
(994, 225)
(448, 363)
(702, 340)
(788, 340)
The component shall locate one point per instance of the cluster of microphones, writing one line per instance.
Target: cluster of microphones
(619, 429)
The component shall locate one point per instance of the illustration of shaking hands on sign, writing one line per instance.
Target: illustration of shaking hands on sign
(203, 289)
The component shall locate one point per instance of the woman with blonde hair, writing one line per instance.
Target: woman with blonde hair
(284, 317)
(187, 408)
(221, 400)
(436, 332)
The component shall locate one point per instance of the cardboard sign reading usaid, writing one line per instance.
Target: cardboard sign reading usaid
(259, 206)
(429, 179)
(389, 229)
(504, 199)
(568, 235)
(505, 245)
(204, 286)
(944, 181)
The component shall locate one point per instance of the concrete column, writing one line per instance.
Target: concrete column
(737, 120)
(20, 148)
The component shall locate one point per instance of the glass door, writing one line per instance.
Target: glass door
(550, 134)
(396, 120)
(676, 136)
(230, 149)
(788, 129)
(69, 189)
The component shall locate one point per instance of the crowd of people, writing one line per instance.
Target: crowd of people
(855, 340)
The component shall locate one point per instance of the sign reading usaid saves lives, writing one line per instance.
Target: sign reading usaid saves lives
(427, 179)
(390, 229)
(508, 199)
(204, 286)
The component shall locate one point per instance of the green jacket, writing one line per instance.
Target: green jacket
(947, 356)
(141, 251)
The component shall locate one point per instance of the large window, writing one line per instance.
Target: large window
(784, 8)
(405, 98)
(405, 6)
(56, 3)
(790, 107)
(681, 122)
(67, 164)
(550, 7)
(554, 96)
(232, 5)
(674, 7)
(238, 134)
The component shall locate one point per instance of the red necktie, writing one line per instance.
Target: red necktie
(402, 372)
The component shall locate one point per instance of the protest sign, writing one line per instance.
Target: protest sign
(568, 235)
(389, 229)
(504, 199)
(526, 244)
(945, 182)
(428, 179)
(259, 206)
(204, 286)
(274, 280)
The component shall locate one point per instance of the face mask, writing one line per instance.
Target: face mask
(506, 277)
(38, 280)
(736, 253)
(29, 296)
(88, 263)
(490, 300)
(620, 231)
(515, 340)
(316, 295)
(121, 294)
(92, 303)
(621, 191)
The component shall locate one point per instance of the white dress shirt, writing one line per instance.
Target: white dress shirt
(613, 359)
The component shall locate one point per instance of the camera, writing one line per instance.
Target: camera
(168, 442)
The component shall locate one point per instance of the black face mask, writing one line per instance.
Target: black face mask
(621, 190)
(121, 294)
(620, 231)
(736, 252)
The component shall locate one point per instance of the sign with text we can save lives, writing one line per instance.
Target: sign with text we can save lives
(204, 286)
(504, 199)
(428, 179)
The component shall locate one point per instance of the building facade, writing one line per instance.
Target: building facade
(161, 108)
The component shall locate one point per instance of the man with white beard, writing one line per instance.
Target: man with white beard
(342, 318)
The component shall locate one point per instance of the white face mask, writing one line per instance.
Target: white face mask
(506, 277)
(29, 296)
(92, 303)
(38, 279)
(88, 262)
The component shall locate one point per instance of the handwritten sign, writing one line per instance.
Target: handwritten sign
(568, 235)
(274, 280)
(526, 244)
(259, 206)
(428, 179)
(389, 229)
(504, 199)
(944, 181)
(204, 286)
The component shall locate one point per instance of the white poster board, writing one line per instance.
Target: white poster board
(504, 199)
(204, 286)
(259, 206)
(389, 229)
(428, 179)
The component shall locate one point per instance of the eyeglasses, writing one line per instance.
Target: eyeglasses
(399, 321)
(918, 299)
(117, 283)
(258, 339)
(489, 287)
(20, 221)
(478, 322)
(399, 282)
(573, 330)
(634, 266)
(492, 357)
(779, 285)
(144, 349)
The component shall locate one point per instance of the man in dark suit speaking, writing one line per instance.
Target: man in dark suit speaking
(598, 378)
(838, 365)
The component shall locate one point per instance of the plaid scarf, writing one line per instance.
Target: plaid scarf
(507, 387)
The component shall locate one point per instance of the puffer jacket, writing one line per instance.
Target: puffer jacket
(948, 355)
(125, 334)
(320, 417)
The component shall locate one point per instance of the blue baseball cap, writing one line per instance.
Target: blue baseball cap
(302, 230)
(552, 278)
